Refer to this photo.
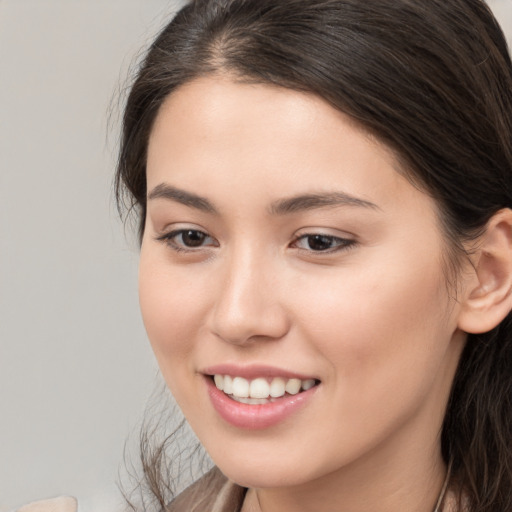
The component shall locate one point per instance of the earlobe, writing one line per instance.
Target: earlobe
(488, 294)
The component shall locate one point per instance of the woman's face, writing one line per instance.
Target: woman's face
(282, 249)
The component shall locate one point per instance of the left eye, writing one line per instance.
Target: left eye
(183, 239)
(322, 243)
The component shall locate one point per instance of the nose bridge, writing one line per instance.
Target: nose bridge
(247, 305)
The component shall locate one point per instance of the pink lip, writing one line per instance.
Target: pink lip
(255, 417)
(252, 372)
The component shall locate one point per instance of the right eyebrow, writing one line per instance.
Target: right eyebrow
(165, 191)
(318, 201)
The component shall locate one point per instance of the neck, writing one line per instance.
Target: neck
(402, 477)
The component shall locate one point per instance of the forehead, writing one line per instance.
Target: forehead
(212, 123)
(215, 109)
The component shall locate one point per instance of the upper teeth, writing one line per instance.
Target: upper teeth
(261, 387)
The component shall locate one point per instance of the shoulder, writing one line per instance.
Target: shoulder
(456, 502)
(61, 504)
(211, 493)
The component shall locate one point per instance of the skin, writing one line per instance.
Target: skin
(372, 317)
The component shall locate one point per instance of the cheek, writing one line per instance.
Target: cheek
(170, 303)
(386, 324)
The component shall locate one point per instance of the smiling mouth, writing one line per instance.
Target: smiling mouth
(261, 390)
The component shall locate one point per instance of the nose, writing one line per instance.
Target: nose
(248, 306)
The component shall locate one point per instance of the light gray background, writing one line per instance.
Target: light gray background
(75, 367)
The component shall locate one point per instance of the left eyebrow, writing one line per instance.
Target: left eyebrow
(316, 201)
(165, 191)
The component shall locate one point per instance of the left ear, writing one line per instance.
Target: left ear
(488, 293)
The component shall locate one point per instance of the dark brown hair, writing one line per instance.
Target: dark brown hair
(432, 79)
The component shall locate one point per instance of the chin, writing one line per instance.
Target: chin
(263, 478)
(267, 473)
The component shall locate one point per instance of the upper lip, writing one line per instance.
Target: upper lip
(254, 371)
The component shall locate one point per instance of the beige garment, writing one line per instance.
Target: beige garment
(61, 504)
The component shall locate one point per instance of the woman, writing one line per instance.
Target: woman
(324, 191)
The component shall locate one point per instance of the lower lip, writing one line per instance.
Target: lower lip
(259, 416)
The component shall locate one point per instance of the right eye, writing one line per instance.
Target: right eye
(187, 239)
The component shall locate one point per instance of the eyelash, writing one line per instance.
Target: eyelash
(170, 239)
(341, 243)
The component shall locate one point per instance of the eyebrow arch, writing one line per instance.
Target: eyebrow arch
(286, 206)
(316, 201)
(165, 191)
